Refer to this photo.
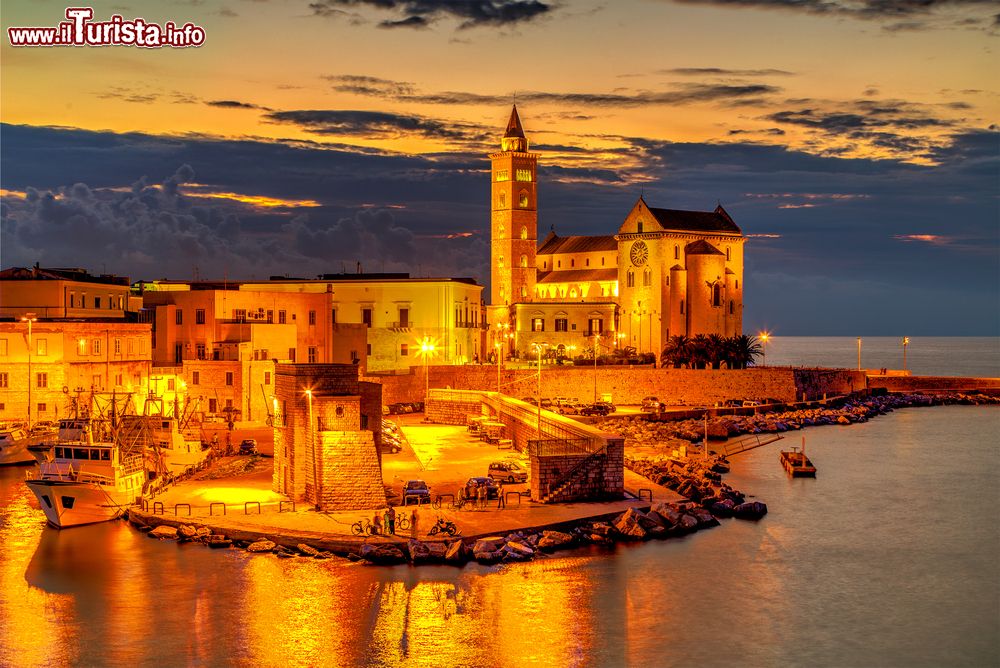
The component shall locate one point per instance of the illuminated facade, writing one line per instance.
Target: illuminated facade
(64, 293)
(666, 272)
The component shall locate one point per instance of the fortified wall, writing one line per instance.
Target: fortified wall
(629, 384)
(934, 384)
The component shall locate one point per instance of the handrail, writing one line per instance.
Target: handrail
(211, 507)
(506, 498)
(281, 506)
(177, 505)
(648, 491)
(246, 507)
(158, 504)
(566, 477)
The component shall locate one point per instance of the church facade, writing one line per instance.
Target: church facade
(666, 272)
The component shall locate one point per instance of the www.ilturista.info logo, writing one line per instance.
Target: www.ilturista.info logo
(79, 30)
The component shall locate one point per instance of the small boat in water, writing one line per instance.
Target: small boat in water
(14, 443)
(87, 481)
(796, 462)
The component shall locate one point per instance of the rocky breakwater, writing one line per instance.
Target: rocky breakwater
(673, 435)
(191, 534)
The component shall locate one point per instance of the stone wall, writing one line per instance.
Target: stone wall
(350, 475)
(628, 385)
(932, 383)
(567, 478)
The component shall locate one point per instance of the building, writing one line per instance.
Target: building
(46, 365)
(665, 272)
(65, 293)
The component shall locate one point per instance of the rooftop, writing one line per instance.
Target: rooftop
(552, 244)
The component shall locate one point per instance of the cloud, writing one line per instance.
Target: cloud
(421, 13)
(372, 124)
(235, 104)
(723, 71)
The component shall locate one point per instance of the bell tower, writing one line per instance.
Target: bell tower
(513, 220)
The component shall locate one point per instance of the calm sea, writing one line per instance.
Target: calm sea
(887, 558)
(931, 356)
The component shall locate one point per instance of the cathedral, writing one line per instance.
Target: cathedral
(666, 272)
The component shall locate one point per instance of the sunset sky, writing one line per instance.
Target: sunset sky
(854, 141)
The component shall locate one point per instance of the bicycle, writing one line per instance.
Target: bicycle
(362, 527)
(402, 522)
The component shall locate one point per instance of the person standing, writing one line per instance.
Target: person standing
(390, 520)
(376, 524)
(414, 521)
(482, 497)
(501, 501)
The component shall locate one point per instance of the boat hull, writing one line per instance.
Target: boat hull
(16, 453)
(798, 465)
(69, 503)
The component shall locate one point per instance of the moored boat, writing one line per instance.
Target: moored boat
(87, 481)
(14, 444)
(796, 462)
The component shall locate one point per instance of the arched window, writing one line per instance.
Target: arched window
(716, 295)
(502, 200)
(524, 231)
(522, 199)
(639, 227)
(524, 291)
(730, 307)
(572, 293)
(524, 261)
(500, 231)
(630, 280)
(677, 252)
(728, 255)
(647, 278)
(666, 280)
(500, 261)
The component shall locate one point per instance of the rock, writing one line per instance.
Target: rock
(488, 544)
(705, 518)
(436, 551)
(263, 545)
(753, 510)
(667, 512)
(307, 550)
(554, 540)
(687, 523)
(381, 553)
(284, 555)
(217, 540)
(329, 555)
(486, 556)
(723, 508)
(187, 531)
(418, 551)
(602, 529)
(843, 420)
(456, 553)
(164, 532)
(629, 526)
(520, 548)
(658, 531)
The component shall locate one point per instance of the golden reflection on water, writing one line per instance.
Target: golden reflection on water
(34, 629)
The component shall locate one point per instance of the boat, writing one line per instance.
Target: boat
(88, 480)
(796, 462)
(69, 429)
(169, 449)
(14, 442)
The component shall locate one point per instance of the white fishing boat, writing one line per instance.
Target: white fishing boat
(88, 480)
(169, 450)
(69, 429)
(14, 446)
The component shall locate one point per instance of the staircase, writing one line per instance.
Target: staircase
(593, 464)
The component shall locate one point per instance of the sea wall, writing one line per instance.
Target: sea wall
(934, 384)
(629, 384)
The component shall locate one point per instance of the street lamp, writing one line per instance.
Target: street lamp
(498, 347)
(29, 318)
(859, 353)
(764, 336)
(427, 349)
(597, 338)
(538, 398)
(906, 342)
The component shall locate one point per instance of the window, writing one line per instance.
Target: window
(368, 349)
(281, 317)
(523, 175)
(595, 325)
(131, 346)
(229, 378)
(267, 377)
(638, 227)
(545, 264)
(212, 405)
(677, 252)
(647, 278)
(170, 385)
(716, 295)
(42, 347)
(537, 325)
(501, 230)
(524, 231)
(558, 264)
(240, 315)
(730, 307)
(199, 316)
(200, 350)
(524, 261)
(333, 316)
(630, 280)
(500, 261)
(72, 300)
(682, 307)
(179, 317)
(737, 285)
(602, 261)
(291, 355)
(42, 408)
(728, 255)
(97, 302)
(4, 380)
(522, 199)
(270, 315)
(524, 291)
(229, 405)
(366, 317)
(3, 347)
(404, 317)
(562, 325)
(404, 350)
(178, 352)
(311, 354)
(588, 261)
(572, 262)
(95, 347)
(118, 380)
(41, 380)
(196, 378)
(118, 346)
(312, 317)
(503, 175)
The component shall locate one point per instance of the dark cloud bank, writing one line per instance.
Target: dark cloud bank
(862, 247)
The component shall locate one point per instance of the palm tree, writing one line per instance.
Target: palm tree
(699, 355)
(745, 349)
(716, 351)
(676, 352)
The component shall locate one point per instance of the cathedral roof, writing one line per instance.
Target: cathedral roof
(702, 247)
(514, 128)
(695, 221)
(577, 275)
(553, 244)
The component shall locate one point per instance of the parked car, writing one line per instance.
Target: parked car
(248, 446)
(416, 488)
(569, 407)
(390, 445)
(546, 402)
(473, 485)
(750, 404)
(600, 408)
(732, 403)
(507, 471)
(651, 404)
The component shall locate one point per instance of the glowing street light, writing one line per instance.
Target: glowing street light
(906, 342)
(426, 349)
(29, 318)
(597, 338)
(859, 353)
(764, 336)
(538, 399)
(498, 346)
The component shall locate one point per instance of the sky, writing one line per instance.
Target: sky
(854, 142)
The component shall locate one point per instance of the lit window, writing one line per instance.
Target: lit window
(522, 199)
(524, 231)
(524, 291)
(537, 325)
(502, 200)
(523, 174)
(404, 349)
(524, 261)
(503, 175)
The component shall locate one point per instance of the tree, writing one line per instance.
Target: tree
(744, 350)
(677, 351)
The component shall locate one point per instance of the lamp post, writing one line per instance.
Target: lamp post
(538, 398)
(312, 449)
(859, 353)
(906, 342)
(498, 346)
(597, 338)
(29, 318)
(427, 349)
(764, 336)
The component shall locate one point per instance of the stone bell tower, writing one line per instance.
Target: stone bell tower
(513, 221)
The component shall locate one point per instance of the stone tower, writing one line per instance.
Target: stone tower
(513, 221)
